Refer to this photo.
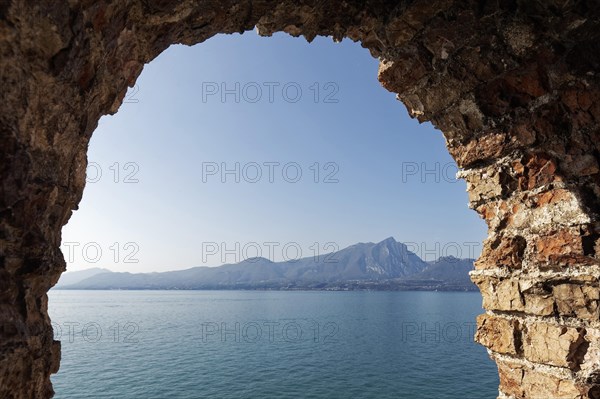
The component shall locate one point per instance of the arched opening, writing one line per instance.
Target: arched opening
(393, 177)
(513, 86)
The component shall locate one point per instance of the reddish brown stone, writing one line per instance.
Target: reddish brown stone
(551, 197)
(540, 169)
(502, 252)
(561, 248)
(481, 148)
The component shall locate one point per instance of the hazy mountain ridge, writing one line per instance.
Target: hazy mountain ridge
(70, 278)
(385, 265)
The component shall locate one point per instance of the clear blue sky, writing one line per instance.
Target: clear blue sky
(174, 131)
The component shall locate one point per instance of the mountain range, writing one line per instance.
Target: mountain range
(387, 265)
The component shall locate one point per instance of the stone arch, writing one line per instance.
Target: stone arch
(512, 84)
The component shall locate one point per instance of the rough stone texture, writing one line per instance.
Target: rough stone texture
(514, 85)
(519, 380)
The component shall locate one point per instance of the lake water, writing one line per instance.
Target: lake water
(254, 344)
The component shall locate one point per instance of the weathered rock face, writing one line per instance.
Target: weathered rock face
(513, 85)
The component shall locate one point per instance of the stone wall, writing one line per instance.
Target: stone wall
(513, 85)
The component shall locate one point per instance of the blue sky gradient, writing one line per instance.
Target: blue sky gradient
(171, 129)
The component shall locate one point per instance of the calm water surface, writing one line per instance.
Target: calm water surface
(253, 344)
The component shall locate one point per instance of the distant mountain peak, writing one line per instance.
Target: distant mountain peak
(393, 247)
